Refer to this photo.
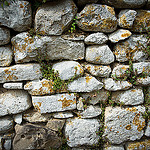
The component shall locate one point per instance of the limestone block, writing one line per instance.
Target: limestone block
(143, 81)
(112, 147)
(4, 35)
(147, 131)
(63, 115)
(18, 118)
(13, 85)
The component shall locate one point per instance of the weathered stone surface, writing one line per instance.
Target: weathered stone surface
(96, 17)
(141, 22)
(99, 54)
(18, 118)
(54, 103)
(27, 48)
(84, 2)
(3, 110)
(143, 81)
(133, 96)
(112, 147)
(123, 124)
(96, 38)
(54, 17)
(147, 131)
(68, 69)
(6, 55)
(126, 18)
(1, 143)
(7, 144)
(132, 47)
(13, 85)
(63, 115)
(4, 36)
(85, 84)
(98, 70)
(41, 87)
(31, 136)
(6, 124)
(81, 132)
(15, 101)
(20, 73)
(142, 145)
(125, 3)
(112, 85)
(17, 15)
(80, 105)
(119, 35)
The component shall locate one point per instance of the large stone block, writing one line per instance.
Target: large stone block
(4, 36)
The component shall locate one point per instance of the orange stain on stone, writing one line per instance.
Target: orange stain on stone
(88, 78)
(66, 103)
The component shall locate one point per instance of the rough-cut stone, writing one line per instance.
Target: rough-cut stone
(112, 147)
(1, 143)
(143, 81)
(126, 18)
(133, 96)
(141, 145)
(20, 73)
(80, 104)
(15, 101)
(96, 38)
(112, 85)
(119, 35)
(125, 3)
(13, 85)
(63, 115)
(7, 144)
(4, 36)
(18, 118)
(85, 84)
(68, 69)
(40, 87)
(99, 54)
(54, 17)
(132, 47)
(96, 17)
(141, 22)
(17, 15)
(81, 132)
(81, 3)
(27, 48)
(123, 124)
(3, 110)
(6, 124)
(98, 70)
(54, 103)
(147, 131)
(31, 136)
(6, 55)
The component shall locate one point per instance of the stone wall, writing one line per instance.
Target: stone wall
(75, 75)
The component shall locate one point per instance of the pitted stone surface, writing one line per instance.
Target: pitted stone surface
(54, 103)
(131, 46)
(96, 17)
(112, 147)
(15, 101)
(4, 35)
(143, 81)
(98, 70)
(85, 84)
(20, 73)
(123, 124)
(126, 18)
(13, 85)
(112, 85)
(99, 54)
(6, 55)
(54, 17)
(133, 96)
(147, 131)
(68, 69)
(63, 115)
(20, 15)
(81, 132)
(119, 35)
(96, 38)
(41, 87)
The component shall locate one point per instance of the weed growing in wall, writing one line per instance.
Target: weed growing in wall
(73, 25)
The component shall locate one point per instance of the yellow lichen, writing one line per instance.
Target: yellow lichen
(88, 78)
(128, 127)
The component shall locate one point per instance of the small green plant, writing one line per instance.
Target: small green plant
(73, 25)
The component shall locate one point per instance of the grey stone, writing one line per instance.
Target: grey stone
(124, 124)
(63, 115)
(13, 85)
(96, 38)
(7, 144)
(17, 15)
(81, 132)
(81, 3)
(147, 131)
(96, 17)
(54, 103)
(18, 118)
(4, 35)
(112, 85)
(85, 84)
(3, 110)
(6, 55)
(143, 81)
(132, 47)
(68, 69)
(112, 147)
(98, 70)
(1, 143)
(20, 73)
(132, 96)
(54, 17)
(126, 18)
(80, 105)
(119, 35)
(6, 124)
(15, 101)
(99, 54)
